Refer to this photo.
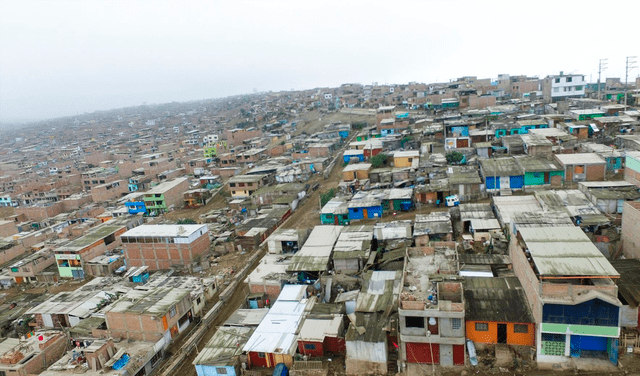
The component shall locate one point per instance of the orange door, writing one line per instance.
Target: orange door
(364, 213)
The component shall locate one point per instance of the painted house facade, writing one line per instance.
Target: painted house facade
(497, 312)
(502, 173)
(540, 172)
(569, 287)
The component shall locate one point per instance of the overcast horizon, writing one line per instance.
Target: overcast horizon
(63, 58)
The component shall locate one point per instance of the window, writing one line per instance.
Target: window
(556, 89)
(569, 79)
(578, 88)
(414, 321)
(155, 359)
(309, 346)
(172, 311)
(557, 80)
(261, 355)
(482, 326)
(221, 370)
(232, 184)
(198, 301)
(456, 324)
(520, 328)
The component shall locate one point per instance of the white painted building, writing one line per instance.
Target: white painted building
(558, 88)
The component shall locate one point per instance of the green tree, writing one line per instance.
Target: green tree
(328, 195)
(378, 160)
(454, 157)
(186, 221)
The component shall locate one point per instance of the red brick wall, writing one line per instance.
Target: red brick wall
(161, 256)
(631, 229)
(272, 290)
(38, 213)
(595, 172)
(8, 229)
(527, 278)
(632, 176)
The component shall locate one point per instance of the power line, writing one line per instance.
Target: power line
(602, 65)
(629, 66)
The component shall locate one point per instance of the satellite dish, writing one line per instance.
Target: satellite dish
(432, 321)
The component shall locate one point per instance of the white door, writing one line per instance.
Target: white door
(504, 182)
(73, 320)
(48, 322)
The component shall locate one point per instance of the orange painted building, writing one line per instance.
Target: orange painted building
(497, 311)
(523, 334)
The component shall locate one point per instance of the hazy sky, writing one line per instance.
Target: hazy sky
(67, 57)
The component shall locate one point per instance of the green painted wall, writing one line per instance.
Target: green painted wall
(632, 163)
(583, 330)
(150, 203)
(534, 178)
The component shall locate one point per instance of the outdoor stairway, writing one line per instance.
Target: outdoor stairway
(505, 191)
(392, 362)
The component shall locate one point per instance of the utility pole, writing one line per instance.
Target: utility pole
(631, 60)
(601, 66)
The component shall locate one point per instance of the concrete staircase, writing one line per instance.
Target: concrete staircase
(505, 191)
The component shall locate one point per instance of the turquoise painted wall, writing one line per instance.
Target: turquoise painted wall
(534, 178)
(632, 163)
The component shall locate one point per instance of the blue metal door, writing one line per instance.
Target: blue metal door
(517, 182)
(77, 273)
(575, 346)
(612, 349)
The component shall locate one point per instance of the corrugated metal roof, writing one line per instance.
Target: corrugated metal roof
(224, 346)
(565, 251)
(316, 329)
(277, 331)
(580, 159)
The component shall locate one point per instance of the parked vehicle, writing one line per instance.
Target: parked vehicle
(452, 201)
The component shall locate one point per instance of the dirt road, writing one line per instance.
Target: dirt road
(187, 368)
(308, 214)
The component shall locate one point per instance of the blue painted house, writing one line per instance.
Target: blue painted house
(134, 203)
(136, 207)
(364, 206)
(502, 173)
(344, 130)
(520, 127)
(6, 201)
(572, 294)
(353, 156)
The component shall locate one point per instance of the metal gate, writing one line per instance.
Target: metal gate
(423, 353)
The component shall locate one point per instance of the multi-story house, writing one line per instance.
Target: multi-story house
(162, 246)
(568, 284)
(245, 185)
(154, 314)
(561, 87)
(431, 315)
(165, 195)
(29, 268)
(72, 257)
